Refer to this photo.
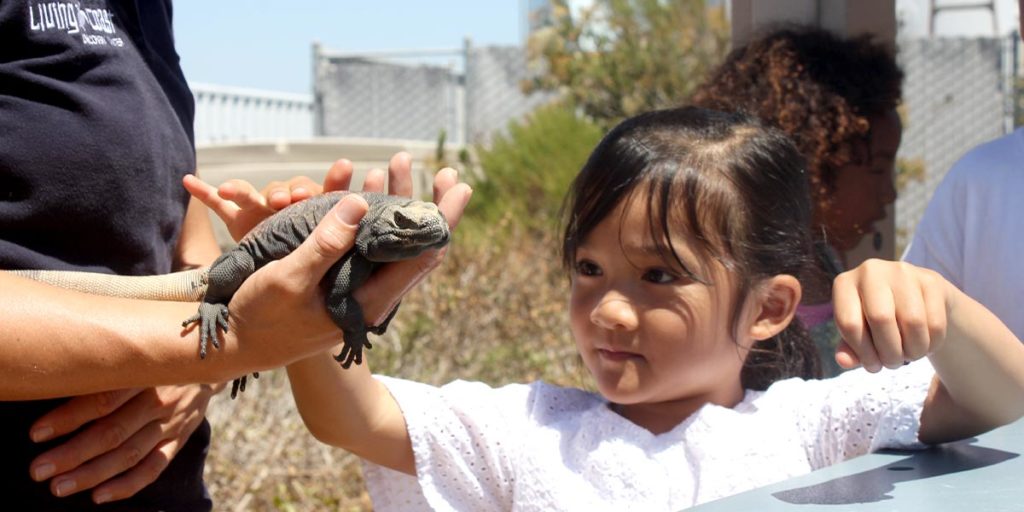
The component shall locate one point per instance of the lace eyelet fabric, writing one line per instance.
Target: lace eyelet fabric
(542, 447)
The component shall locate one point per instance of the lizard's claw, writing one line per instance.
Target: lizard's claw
(210, 318)
(238, 385)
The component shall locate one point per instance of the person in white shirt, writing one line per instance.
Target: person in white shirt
(969, 231)
(686, 229)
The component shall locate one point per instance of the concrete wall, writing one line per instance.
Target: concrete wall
(237, 114)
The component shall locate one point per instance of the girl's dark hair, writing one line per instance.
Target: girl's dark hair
(733, 186)
(819, 88)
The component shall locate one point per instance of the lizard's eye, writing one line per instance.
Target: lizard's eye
(405, 221)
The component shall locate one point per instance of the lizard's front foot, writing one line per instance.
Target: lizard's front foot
(352, 349)
(210, 317)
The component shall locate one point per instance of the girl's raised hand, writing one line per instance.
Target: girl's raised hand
(242, 207)
(889, 313)
(236, 202)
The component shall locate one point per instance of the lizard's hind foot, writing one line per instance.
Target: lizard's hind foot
(210, 318)
(238, 385)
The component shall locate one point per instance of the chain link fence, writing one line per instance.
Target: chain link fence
(409, 95)
(958, 93)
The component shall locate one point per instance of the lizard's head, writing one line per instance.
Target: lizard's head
(393, 231)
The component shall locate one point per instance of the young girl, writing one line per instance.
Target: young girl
(686, 230)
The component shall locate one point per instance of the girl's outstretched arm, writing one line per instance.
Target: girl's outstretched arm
(352, 410)
(890, 313)
(348, 408)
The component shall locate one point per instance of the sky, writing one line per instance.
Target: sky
(263, 44)
(267, 44)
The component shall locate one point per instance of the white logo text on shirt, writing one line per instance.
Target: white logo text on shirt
(72, 18)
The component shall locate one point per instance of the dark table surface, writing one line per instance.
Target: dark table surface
(982, 474)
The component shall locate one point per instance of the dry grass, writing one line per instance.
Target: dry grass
(494, 312)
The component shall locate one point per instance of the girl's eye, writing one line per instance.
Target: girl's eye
(587, 268)
(659, 276)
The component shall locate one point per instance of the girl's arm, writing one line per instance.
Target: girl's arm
(892, 312)
(349, 408)
(352, 410)
(980, 370)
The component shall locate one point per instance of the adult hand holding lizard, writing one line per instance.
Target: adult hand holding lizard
(124, 438)
(241, 207)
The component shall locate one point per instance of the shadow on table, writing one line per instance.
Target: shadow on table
(874, 485)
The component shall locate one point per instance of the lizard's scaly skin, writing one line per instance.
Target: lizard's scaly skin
(186, 286)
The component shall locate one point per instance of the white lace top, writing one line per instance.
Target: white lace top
(542, 447)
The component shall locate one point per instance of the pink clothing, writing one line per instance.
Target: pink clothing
(815, 314)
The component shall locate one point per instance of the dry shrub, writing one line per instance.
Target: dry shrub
(494, 312)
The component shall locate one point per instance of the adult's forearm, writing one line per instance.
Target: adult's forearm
(58, 343)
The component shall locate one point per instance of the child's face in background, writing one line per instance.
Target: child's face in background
(863, 191)
(648, 334)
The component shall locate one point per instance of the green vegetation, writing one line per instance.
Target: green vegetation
(618, 58)
(527, 171)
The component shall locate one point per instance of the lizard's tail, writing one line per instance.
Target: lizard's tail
(186, 286)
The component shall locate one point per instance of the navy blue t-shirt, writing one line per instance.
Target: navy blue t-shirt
(95, 136)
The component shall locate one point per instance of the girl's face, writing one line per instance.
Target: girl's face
(649, 335)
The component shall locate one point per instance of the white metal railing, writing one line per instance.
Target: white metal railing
(236, 114)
